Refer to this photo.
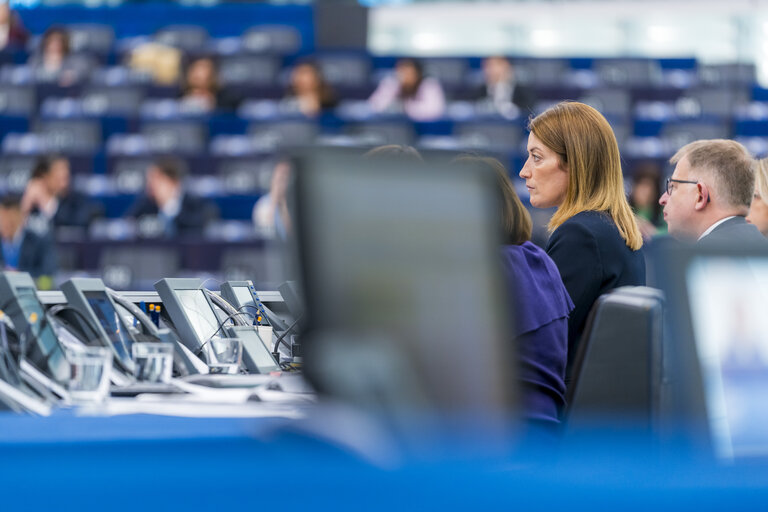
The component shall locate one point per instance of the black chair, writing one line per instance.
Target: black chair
(176, 136)
(124, 101)
(284, 132)
(345, 70)
(91, 38)
(610, 102)
(190, 38)
(15, 172)
(542, 72)
(271, 39)
(139, 267)
(627, 72)
(240, 70)
(492, 135)
(718, 75)
(679, 133)
(618, 370)
(382, 132)
(76, 136)
(17, 100)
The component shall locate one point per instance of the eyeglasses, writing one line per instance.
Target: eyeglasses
(672, 180)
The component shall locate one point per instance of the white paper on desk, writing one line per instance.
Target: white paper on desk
(209, 394)
(172, 406)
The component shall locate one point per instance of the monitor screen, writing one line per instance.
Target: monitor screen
(727, 298)
(243, 294)
(198, 310)
(111, 323)
(46, 338)
(403, 259)
(257, 350)
(29, 304)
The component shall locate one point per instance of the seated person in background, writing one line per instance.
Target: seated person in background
(540, 306)
(178, 213)
(409, 91)
(501, 93)
(309, 91)
(646, 188)
(53, 57)
(758, 211)
(49, 195)
(200, 88)
(709, 193)
(23, 248)
(201, 91)
(12, 31)
(270, 213)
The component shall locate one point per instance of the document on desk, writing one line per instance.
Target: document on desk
(186, 406)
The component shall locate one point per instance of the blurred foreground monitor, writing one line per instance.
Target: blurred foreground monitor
(401, 272)
(717, 361)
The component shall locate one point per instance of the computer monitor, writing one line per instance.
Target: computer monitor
(256, 356)
(38, 340)
(718, 342)
(240, 295)
(401, 272)
(89, 296)
(190, 310)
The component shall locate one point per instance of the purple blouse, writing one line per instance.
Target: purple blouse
(539, 319)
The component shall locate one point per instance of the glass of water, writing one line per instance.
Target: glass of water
(90, 368)
(224, 355)
(153, 361)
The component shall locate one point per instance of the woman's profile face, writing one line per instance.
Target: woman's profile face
(545, 176)
(758, 214)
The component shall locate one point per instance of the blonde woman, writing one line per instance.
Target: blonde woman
(573, 164)
(758, 211)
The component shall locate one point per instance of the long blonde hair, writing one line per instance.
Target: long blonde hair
(761, 179)
(585, 143)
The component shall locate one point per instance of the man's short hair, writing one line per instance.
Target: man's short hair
(172, 168)
(10, 202)
(728, 163)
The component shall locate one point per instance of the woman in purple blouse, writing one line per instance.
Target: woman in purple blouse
(539, 308)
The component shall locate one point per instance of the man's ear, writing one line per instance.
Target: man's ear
(702, 199)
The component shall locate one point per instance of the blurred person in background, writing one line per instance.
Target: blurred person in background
(539, 303)
(270, 213)
(501, 92)
(409, 91)
(643, 198)
(708, 196)
(574, 164)
(758, 211)
(23, 248)
(201, 91)
(49, 194)
(12, 31)
(178, 213)
(53, 57)
(309, 91)
(201, 88)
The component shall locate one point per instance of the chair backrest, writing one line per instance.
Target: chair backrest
(189, 38)
(17, 100)
(94, 38)
(271, 39)
(248, 70)
(71, 136)
(176, 136)
(617, 373)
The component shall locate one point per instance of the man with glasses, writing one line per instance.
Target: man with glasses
(709, 193)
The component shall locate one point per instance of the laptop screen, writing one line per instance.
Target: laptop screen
(727, 300)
